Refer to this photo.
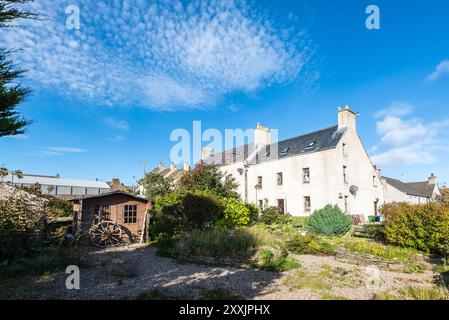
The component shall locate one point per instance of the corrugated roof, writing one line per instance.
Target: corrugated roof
(311, 142)
(48, 181)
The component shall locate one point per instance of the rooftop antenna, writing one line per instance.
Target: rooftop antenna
(145, 167)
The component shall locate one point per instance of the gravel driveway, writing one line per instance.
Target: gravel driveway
(127, 272)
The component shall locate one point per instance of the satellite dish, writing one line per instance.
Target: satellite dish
(353, 190)
(240, 170)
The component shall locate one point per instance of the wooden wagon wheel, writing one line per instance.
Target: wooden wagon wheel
(107, 233)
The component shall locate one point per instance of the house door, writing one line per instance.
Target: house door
(281, 206)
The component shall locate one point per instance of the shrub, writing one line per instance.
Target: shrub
(271, 216)
(176, 213)
(329, 220)
(304, 245)
(423, 227)
(60, 208)
(254, 211)
(236, 214)
(217, 243)
(22, 228)
(374, 231)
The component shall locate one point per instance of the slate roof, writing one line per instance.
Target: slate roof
(320, 140)
(230, 156)
(420, 189)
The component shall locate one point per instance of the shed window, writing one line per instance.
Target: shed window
(130, 213)
(102, 212)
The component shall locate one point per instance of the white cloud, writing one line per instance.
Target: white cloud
(440, 70)
(164, 55)
(64, 150)
(407, 141)
(117, 124)
(397, 108)
(117, 138)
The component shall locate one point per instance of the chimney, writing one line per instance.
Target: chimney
(432, 179)
(206, 153)
(161, 166)
(347, 118)
(186, 166)
(115, 181)
(262, 135)
(172, 166)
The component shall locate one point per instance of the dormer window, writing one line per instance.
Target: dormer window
(285, 151)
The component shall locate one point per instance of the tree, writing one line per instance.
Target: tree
(209, 178)
(12, 93)
(155, 185)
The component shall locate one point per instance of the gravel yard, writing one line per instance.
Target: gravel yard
(128, 272)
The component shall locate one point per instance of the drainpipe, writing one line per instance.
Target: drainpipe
(246, 166)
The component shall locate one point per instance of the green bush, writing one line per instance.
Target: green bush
(254, 212)
(217, 243)
(60, 208)
(423, 227)
(304, 245)
(271, 216)
(329, 220)
(374, 231)
(176, 213)
(22, 228)
(236, 214)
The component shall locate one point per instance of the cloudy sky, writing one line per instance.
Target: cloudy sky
(107, 96)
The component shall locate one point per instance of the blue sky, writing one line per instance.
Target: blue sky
(107, 97)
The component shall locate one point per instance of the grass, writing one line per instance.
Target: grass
(380, 250)
(217, 243)
(18, 276)
(414, 293)
(326, 295)
(278, 264)
(301, 280)
(44, 260)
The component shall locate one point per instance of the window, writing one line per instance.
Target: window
(345, 176)
(279, 178)
(130, 213)
(285, 151)
(374, 181)
(344, 149)
(259, 182)
(346, 204)
(307, 204)
(306, 175)
(102, 213)
(281, 206)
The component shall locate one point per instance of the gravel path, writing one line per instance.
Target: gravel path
(127, 272)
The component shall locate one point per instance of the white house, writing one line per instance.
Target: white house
(413, 192)
(307, 172)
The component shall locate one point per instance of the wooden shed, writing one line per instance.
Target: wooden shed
(115, 214)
